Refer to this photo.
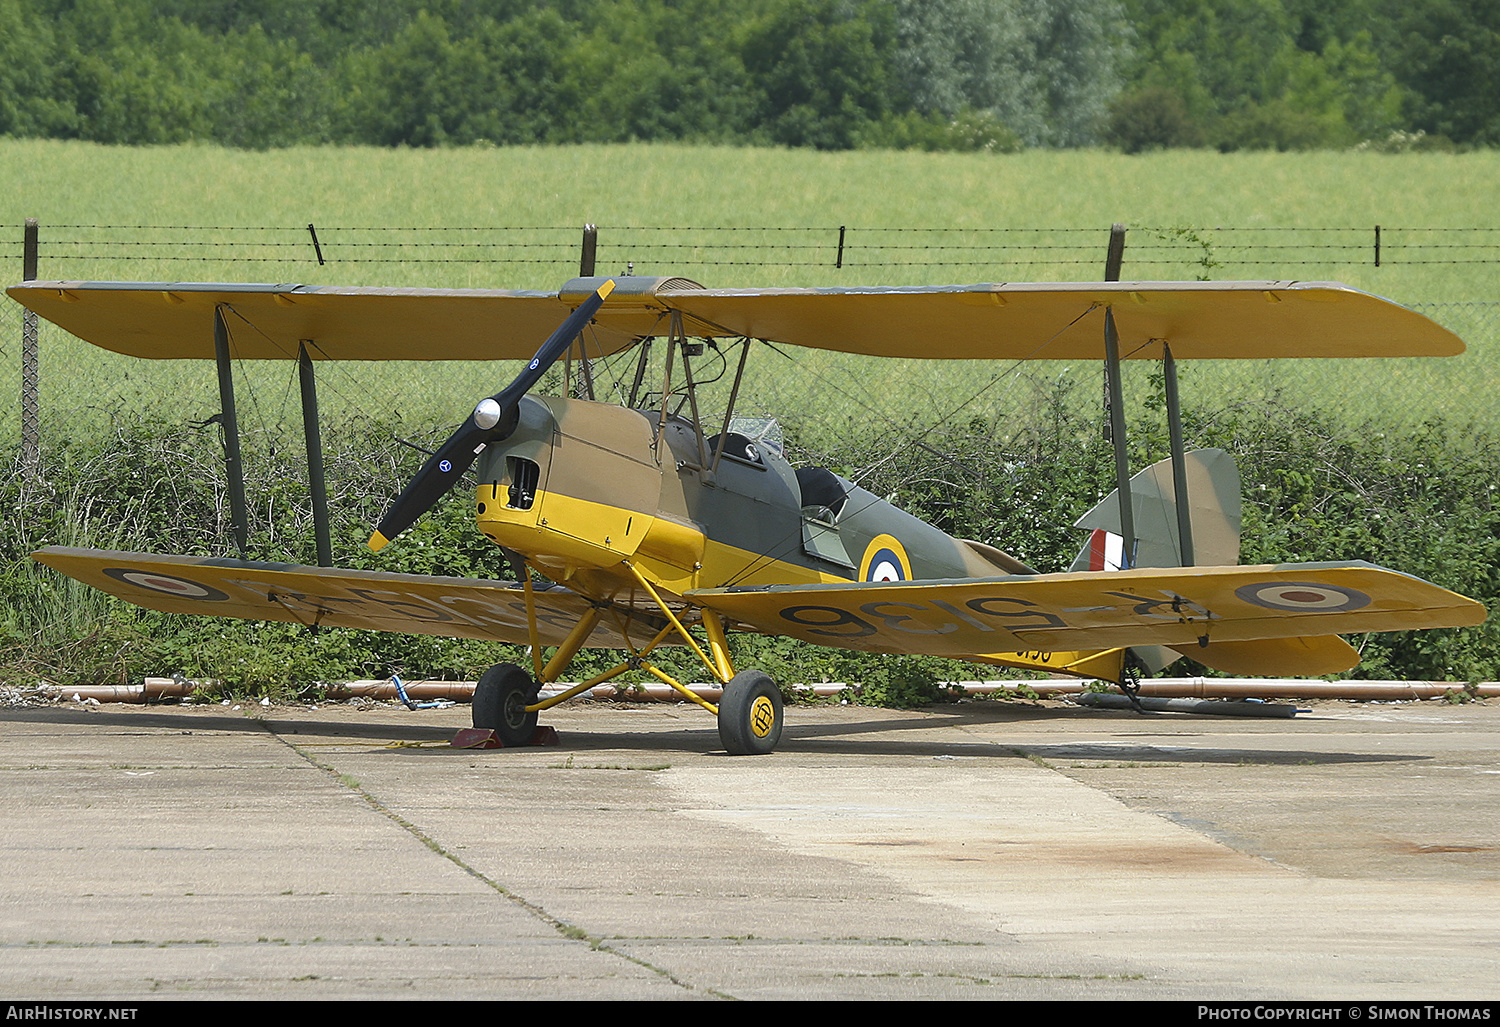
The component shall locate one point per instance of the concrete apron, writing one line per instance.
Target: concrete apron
(983, 850)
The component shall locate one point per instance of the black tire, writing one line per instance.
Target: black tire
(500, 699)
(750, 714)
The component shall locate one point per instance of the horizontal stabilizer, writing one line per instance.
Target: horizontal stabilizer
(1106, 664)
(1103, 664)
(1278, 657)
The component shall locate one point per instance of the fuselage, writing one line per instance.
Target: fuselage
(579, 487)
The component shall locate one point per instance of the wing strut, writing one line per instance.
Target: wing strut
(1117, 422)
(1117, 401)
(233, 466)
(316, 482)
(1179, 459)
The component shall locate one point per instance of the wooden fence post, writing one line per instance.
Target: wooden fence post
(589, 249)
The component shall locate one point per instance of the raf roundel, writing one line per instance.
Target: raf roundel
(885, 559)
(166, 584)
(1308, 596)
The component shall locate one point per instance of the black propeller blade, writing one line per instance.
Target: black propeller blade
(492, 420)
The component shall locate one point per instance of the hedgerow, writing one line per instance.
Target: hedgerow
(1421, 501)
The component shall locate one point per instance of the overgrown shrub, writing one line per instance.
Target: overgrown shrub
(1153, 118)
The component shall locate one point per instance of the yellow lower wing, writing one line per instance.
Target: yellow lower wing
(1181, 607)
(328, 597)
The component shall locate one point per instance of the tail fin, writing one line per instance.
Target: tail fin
(1213, 488)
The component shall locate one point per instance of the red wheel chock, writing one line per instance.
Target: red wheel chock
(484, 738)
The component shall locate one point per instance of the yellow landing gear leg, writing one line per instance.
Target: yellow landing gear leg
(750, 712)
(506, 695)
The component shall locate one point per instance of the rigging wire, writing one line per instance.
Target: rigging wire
(1012, 366)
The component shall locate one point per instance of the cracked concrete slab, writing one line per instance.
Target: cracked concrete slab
(983, 850)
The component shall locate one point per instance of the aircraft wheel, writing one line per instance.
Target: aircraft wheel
(750, 714)
(500, 699)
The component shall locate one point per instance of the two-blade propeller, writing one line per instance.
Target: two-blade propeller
(493, 419)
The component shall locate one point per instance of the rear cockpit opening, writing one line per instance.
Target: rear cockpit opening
(822, 499)
(823, 494)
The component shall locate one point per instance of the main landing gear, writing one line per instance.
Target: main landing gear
(501, 698)
(749, 713)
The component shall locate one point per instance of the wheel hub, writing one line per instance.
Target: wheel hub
(762, 716)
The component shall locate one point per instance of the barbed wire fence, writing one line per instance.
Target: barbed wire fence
(81, 249)
(1444, 273)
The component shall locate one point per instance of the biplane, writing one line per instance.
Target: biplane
(636, 525)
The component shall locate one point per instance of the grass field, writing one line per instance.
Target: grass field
(715, 187)
(913, 218)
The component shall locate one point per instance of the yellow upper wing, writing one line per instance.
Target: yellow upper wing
(328, 597)
(1013, 321)
(267, 322)
(1020, 321)
(1179, 607)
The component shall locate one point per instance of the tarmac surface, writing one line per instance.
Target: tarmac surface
(1001, 850)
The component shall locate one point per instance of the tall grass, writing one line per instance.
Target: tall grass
(230, 197)
(65, 183)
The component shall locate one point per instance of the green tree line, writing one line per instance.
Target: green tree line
(831, 74)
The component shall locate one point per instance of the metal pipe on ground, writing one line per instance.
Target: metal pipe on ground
(155, 688)
(158, 688)
(1266, 688)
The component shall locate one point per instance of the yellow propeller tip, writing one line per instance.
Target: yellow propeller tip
(378, 542)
